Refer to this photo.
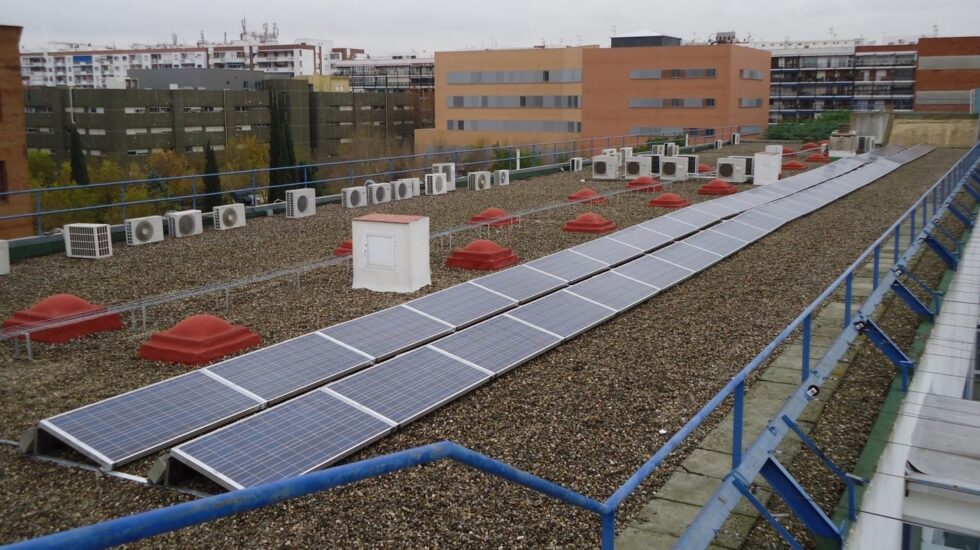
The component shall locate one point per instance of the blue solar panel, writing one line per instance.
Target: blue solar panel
(462, 305)
(300, 435)
(520, 283)
(670, 227)
(644, 239)
(739, 230)
(135, 424)
(687, 256)
(654, 271)
(410, 385)
(285, 369)
(614, 290)
(568, 265)
(716, 242)
(387, 332)
(563, 314)
(498, 344)
(608, 251)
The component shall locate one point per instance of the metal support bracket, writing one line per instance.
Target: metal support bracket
(950, 257)
(964, 218)
(972, 191)
(799, 501)
(888, 347)
(913, 301)
(747, 493)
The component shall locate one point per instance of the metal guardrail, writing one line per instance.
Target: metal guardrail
(346, 173)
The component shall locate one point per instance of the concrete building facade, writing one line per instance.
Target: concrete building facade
(13, 142)
(128, 124)
(195, 79)
(948, 69)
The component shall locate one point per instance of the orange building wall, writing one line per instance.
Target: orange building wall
(607, 88)
(935, 80)
(500, 60)
(13, 136)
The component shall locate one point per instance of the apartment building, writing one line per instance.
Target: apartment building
(13, 146)
(81, 66)
(130, 124)
(701, 90)
(641, 85)
(948, 70)
(398, 72)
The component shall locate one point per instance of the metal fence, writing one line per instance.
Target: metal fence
(114, 202)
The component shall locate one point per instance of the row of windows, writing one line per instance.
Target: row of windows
(550, 126)
(515, 101)
(647, 74)
(750, 74)
(514, 77)
(659, 102)
(750, 102)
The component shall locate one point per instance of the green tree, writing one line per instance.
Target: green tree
(42, 168)
(79, 170)
(212, 181)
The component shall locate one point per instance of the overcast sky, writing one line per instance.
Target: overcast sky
(385, 27)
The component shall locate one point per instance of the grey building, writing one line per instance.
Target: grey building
(195, 79)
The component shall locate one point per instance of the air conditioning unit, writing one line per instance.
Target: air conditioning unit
(301, 203)
(671, 150)
(501, 177)
(824, 148)
(185, 223)
(766, 168)
(449, 170)
(605, 167)
(865, 144)
(576, 164)
(719, 143)
(626, 152)
(144, 230)
(692, 163)
(639, 166)
(353, 197)
(229, 216)
(401, 190)
(732, 170)
(749, 163)
(435, 184)
(736, 138)
(610, 152)
(657, 149)
(479, 181)
(777, 149)
(673, 168)
(378, 193)
(415, 184)
(88, 240)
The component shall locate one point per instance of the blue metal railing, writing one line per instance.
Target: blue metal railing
(147, 524)
(187, 190)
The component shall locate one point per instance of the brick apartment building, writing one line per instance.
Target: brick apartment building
(641, 85)
(13, 142)
(948, 71)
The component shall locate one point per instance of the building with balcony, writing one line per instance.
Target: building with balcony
(399, 72)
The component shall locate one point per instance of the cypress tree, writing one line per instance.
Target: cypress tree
(79, 170)
(212, 181)
(277, 149)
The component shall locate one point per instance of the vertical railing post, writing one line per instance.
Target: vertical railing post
(350, 174)
(805, 367)
(876, 267)
(848, 297)
(40, 213)
(925, 213)
(122, 203)
(738, 420)
(898, 239)
(255, 190)
(306, 175)
(608, 529)
(912, 226)
(194, 193)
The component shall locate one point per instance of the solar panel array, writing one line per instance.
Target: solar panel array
(471, 341)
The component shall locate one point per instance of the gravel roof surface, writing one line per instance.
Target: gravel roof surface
(585, 415)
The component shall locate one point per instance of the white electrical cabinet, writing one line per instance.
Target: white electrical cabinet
(391, 252)
(766, 168)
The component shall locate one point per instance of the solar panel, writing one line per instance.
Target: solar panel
(410, 385)
(742, 200)
(718, 208)
(608, 251)
(520, 283)
(794, 205)
(687, 256)
(760, 220)
(498, 344)
(739, 230)
(669, 226)
(644, 239)
(285, 369)
(614, 290)
(568, 265)
(387, 332)
(462, 304)
(293, 438)
(694, 216)
(563, 314)
(132, 425)
(654, 271)
(773, 209)
(713, 241)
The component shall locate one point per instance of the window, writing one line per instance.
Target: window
(194, 149)
(556, 126)
(750, 74)
(685, 102)
(750, 102)
(93, 152)
(96, 131)
(162, 130)
(243, 128)
(193, 129)
(645, 74)
(513, 102)
(514, 77)
(137, 152)
(214, 128)
(134, 110)
(134, 131)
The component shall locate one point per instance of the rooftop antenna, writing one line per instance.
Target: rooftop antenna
(831, 31)
(244, 29)
(935, 31)
(614, 30)
(173, 38)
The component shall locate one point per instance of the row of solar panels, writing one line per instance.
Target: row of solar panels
(359, 409)
(138, 423)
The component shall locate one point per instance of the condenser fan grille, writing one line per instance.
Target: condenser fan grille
(670, 168)
(143, 231)
(302, 203)
(600, 167)
(632, 168)
(726, 170)
(229, 217)
(379, 194)
(186, 225)
(355, 197)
